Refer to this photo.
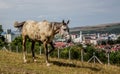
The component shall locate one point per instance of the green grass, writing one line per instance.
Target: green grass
(12, 63)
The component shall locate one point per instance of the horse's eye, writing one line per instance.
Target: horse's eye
(64, 29)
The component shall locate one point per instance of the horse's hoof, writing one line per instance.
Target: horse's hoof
(34, 60)
(48, 64)
(25, 61)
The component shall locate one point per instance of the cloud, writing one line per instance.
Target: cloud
(78, 11)
(4, 5)
(56, 7)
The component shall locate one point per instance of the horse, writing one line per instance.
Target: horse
(42, 31)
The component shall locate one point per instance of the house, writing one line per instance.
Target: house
(90, 39)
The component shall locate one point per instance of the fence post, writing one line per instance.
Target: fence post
(58, 53)
(108, 58)
(17, 49)
(70, 53)
(94, 56)
(9, 47)
(40, 50)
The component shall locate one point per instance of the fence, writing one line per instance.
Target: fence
(40, 51)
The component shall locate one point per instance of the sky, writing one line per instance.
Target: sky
(79, 12)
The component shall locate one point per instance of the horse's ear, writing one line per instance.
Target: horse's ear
(68, 21)
(63, 21)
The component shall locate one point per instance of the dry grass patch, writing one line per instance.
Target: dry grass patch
(12, 63)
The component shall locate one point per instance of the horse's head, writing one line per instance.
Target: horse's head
(64, 30)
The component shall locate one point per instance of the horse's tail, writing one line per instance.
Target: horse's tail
(19, 25)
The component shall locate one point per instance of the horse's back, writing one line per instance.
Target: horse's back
(28, 27)
(34, 25)
(36, 30)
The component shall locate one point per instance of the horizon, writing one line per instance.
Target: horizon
(79, 12)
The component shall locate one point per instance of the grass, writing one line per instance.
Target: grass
(12, 63)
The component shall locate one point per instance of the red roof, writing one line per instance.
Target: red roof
(62, 44)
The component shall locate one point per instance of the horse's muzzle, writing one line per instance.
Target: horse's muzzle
(68, 39)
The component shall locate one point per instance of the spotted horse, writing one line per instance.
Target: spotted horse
(43, 31)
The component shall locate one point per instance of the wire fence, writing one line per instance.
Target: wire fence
(40, 50)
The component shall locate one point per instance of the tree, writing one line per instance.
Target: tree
(1, 30)
(2, 41)
(118, 40)
(17, 41)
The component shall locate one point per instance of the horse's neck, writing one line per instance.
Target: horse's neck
(56, 27)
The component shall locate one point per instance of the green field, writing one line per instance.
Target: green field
(11, 63)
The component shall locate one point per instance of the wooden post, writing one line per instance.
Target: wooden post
(94, 56)
(40, 50)
(58, 53)
(108, 58)
(17, 49)
(10, 48)
(70, 54)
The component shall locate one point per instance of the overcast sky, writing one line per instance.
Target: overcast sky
(79, 12)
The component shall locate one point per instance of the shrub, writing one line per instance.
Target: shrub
(115, 57)
(75, 51)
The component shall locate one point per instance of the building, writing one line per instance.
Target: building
(77, 39)
(90, 39)
(10, 35)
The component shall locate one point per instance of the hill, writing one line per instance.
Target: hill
(11, 63)
(102, 28)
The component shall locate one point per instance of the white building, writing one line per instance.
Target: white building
(113, 36)
(93, 41)
(78, 39)
(9, 37)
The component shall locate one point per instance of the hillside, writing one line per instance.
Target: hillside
(11, 63)
(103, 28)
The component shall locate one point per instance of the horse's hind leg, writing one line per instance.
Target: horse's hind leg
(51, 43)
(24, 49)
(32, 48)
(46, 53)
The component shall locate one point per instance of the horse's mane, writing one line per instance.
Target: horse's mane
(57, 24)
(17, 25)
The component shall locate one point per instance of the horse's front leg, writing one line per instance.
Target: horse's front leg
(51, 43)
(24, 49)
(33, 53)
(46, 53)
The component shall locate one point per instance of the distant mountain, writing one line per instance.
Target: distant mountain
(102, 28)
